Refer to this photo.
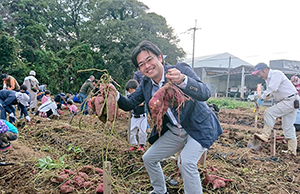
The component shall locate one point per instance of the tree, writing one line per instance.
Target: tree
(58, 37)
(118, 28)
(9, 61)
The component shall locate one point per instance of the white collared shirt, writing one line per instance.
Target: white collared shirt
(160, 84)
(278, 85)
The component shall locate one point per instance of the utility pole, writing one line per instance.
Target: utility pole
(194, 37)
(228, 77)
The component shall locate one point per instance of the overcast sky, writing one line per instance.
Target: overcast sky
(253, 30)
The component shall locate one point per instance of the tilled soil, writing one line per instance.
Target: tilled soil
(84, 140)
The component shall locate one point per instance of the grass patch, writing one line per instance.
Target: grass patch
(230, 103)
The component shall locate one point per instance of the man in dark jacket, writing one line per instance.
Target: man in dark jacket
(8, 98)
(84, 91)
(198, 127)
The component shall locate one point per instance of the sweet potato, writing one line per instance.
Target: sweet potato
(66, 187)
(86, 177)
(168, 95)
(87, 184)
(83, 175)
(99, 171)
(105, 103)
(60, 178)
(67, 171)
(215, 180)
(78, 181)
(99, 189)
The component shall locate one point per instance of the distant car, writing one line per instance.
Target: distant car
(252, 95)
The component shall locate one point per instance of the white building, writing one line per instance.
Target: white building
(213, 70)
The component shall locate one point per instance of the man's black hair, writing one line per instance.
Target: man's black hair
(70, 101)
(3, 76)
(23, 87)
(145, 46)
(47, 92)
(57, 98)
(131, 84)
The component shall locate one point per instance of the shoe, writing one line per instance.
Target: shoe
(261, 137)
(8, 146)
(132, 148)
(292, 147)
(141, 148)
(152, 192)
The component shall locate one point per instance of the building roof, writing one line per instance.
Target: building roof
(217, 60)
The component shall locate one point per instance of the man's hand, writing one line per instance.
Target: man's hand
(112, 87)
(259, 101)
(175, 76)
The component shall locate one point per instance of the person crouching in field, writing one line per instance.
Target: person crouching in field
(46, 97)
(72, 108)
(48, 108)
(8, 132)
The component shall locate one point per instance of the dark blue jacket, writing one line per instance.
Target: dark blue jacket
(138, 76)
(196, 117)
(7, 100)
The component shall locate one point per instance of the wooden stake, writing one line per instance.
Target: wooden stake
(203, 159)
(106, 178)
(129, 126)
(273, 142)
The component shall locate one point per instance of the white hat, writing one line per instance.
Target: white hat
(32, 73)
(23, 98)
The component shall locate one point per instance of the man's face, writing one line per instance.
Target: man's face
(263, 74)
(150, 65)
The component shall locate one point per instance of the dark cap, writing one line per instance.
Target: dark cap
(3, 76)
(259, 67)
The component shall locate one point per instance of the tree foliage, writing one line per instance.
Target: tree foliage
(57, 38)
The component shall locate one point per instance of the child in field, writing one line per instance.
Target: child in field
(72, 108)
(138, 120)
(48, 108)
(46, 97)
(8, 132)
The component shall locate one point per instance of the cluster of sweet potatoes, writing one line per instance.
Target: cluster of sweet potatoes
(105, 104)
(87, 177)
(168, 95)
(215, 180)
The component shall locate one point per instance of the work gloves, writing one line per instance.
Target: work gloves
(259, 101)
(12, 115)
(27, 118)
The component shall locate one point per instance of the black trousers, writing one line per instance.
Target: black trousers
(297, 126)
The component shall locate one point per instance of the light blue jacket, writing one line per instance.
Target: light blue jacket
(10, 126)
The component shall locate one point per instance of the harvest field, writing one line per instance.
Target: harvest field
(50, 150)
